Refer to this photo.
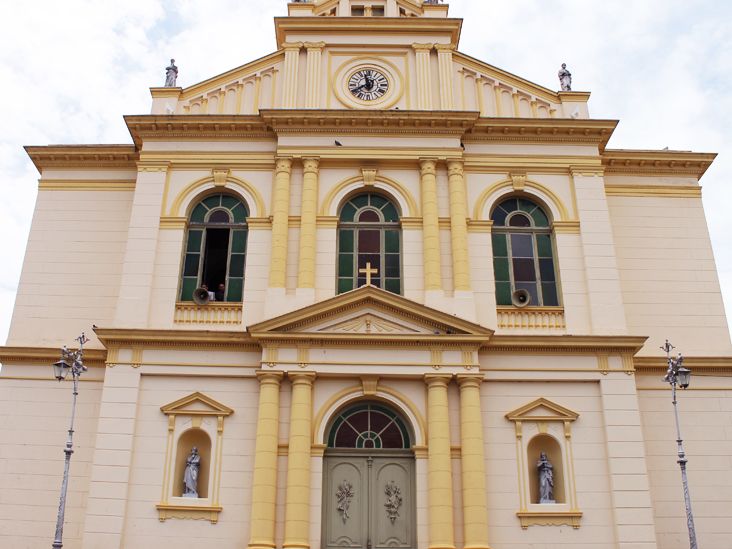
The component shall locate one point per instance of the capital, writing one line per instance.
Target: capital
(422, 47)
(428, 166)
(269, 378)
(301, 378)
(437, 380)
(283, 164)
(444, 47)
(292, 46)
(466, 381)
(310, 164)
(455, 167)
(314, 45)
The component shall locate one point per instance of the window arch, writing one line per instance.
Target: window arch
(369, 425)
(369, 233)
(523, 253)
(216, 248)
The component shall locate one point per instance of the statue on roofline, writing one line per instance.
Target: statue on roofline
(171, 74)
(565, 78)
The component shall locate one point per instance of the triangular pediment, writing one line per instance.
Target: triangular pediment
(542, 409)
(371, 313)
(196, 404)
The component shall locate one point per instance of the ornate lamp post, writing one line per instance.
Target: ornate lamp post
(71, 361)
(677, 374)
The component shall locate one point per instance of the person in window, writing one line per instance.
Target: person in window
(220, 292)
(211, 295)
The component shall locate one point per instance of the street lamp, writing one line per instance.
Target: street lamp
(71, 361)
(679, 375)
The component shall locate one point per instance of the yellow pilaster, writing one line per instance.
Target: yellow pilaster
(430, 224)
(458, 225)
(475, 507)
(480, 93)
(292, 61)
(297, 501)
(516, 105)
(439, 484)
(444, 62)
(312, 80)
(280, 221)
(264, 482)
(424, 80)
(308, 221)
(499, 101)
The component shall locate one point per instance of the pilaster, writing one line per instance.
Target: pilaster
(424, 78)
(430, 224)
(439, 490)
(313, 77)
(280, 222)
(444, 62)
(292, 61)
(459, 226)
(264, 481)
(297, 501)
(308, 221)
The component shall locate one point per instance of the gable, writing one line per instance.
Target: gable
(542, 409)
(196, 404)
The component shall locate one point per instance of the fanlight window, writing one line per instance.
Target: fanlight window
(369, 426)
(369, 233)
(216, 248)
(523, 253)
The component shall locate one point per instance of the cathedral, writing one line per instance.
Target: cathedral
(367, 292)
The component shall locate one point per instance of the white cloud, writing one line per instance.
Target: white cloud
(71, 70)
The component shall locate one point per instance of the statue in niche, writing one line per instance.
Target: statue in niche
(565, 78)
(546, 480)
(171, 74)
(190, 476)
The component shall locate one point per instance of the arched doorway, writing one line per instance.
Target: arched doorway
(368, 480)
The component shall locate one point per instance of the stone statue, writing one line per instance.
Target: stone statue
(171, 74)
(546, 480)
(565, 78)
(190, 477)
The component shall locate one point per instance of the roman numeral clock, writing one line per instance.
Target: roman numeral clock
(368, 84)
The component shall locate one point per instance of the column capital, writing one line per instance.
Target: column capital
(428, 166)
(269, 378)
(422, 47)
(301, 378)
(470, 380)
(292, 46)
(445, 48)
(314, 45)
(310, 164)
(455, 167)
(436, 380)
(283, 164)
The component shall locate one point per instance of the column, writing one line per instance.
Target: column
(424, 80)
(290, 88)
(430, 225)
(439, 490)
(312, 80)
(280, 222)
(444, 62)
(458, 226)
(264, 481)
(475, 507)
(297, 502)
(308, 219)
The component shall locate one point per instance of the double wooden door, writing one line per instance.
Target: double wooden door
(368, 500)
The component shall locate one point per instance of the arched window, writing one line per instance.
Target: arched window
(369, 425)
(369, 233)
(216, 248)
(523, 253)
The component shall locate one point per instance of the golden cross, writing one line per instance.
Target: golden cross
(368, 271)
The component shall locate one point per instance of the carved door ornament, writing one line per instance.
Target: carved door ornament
(344, 495)
(393, 501)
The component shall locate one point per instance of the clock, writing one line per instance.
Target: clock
(368, 84)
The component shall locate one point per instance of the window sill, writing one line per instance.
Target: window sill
(559, 517)
(187, 508)
(211, 313)
(531, 318)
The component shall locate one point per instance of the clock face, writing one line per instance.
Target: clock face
(368, 84)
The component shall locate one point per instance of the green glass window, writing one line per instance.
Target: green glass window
(369, 425)
(523, 253)
(369, 234)
(216, 247)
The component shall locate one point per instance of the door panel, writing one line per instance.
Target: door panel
(346, 503)
(392, 504)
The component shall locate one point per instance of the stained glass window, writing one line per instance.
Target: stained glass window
(523, 253)
(369, 233)
(368, 425)
(216, 247)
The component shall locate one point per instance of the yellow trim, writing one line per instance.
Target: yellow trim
(430, 225)
(308, 224)
(208, 512)
(656, 191)
(458, 226)
(400, 190)
(566, 227)
(540, 318)
(184, 194)
(548, 518)
(508, 184)
(173, 223)
(86, 185)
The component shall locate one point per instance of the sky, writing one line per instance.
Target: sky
(70, 70)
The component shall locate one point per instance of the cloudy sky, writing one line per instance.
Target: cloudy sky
(70, 70)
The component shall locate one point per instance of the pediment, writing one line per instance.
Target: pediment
(196, 404)
(372, 313)
(542, 409)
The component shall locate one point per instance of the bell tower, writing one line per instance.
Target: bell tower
(368, 8)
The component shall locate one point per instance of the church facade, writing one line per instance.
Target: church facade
(394, 297)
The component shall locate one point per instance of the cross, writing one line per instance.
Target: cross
(368, 271)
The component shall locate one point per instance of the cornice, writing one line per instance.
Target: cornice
(371, 26)
(643, 162)
(83, 156)
(45, 355)
(368, 122)
(542, 130)
(183, 339)
(207, 126)
(564, 344)
(699, 364)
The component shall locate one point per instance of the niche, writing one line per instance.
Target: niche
(549, 445)
(189, 439)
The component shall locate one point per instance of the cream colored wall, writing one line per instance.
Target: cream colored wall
(706, 422)
(668, 275)
(71, 271)
(36, 409)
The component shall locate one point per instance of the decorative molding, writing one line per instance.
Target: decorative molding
(83, 156)
(175, 339)
(191, 512)
(188, 126)
(653, 163)
(654, 191)
(191, 406)
(565, 344)
(370, 385)
(369, 175)
(86, 185)
(211, 313)
(518, 180)
(531, 318)
(173, 223)
(220, 176)
(549, 518)
(542, 130)
(47, 356)
(566, 227)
